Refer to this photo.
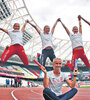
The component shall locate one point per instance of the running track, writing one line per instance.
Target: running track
(35, 93)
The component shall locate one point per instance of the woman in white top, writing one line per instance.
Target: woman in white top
(54, 80)
(77, 45)
(16, 47)
(47, 44)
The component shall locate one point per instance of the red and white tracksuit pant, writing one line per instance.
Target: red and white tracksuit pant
(78, 53)
(15, 49)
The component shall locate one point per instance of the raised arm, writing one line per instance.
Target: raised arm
(23, 28)
(45, 80)
(80, 26)
(66, 29)
(34, 27)
(53, 28)
(85, 20)
(4, 30)
(72, 84)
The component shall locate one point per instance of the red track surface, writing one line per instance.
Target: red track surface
(35, 93)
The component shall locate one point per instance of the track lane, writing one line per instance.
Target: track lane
(35, 93)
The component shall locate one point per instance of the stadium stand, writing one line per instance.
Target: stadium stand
(32, 71)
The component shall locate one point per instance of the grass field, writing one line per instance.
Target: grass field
(84, 86)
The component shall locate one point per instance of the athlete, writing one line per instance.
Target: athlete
(16, 36)
(46, 38)
(53, 81)
(77, 45)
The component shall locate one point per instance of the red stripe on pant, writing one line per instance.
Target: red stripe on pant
(15, 49)
(78, 53)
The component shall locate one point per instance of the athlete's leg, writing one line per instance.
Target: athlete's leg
(22, 55)
(84, 58)
(8, 52)
(3, 54)
(51, 54)
(38, 57)
(68, 95)
(49, 95)
(45, 55)
(74, 56)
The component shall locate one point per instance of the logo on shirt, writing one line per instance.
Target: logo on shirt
(58, 80)
(61, 79)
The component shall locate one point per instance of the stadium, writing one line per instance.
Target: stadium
(31, 86)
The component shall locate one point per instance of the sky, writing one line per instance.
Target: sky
(46, 12)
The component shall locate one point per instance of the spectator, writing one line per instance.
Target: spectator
(19, 83)
(15, 81)
(28, 83)
(7, 82)
(11, 83)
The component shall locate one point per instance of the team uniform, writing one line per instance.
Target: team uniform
(16, 47)
(53, 92)
(47, 42)
(76, 40)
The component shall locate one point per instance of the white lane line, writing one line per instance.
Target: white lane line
(13, 95)
(35, 92)
(39, 98)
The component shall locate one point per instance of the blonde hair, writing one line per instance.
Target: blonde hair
(45, 26)
(57, 59)
(15, 24)
(74, 27)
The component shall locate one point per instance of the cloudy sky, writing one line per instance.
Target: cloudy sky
(45, 12)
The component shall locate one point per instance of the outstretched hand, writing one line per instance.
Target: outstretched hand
(58, 19)
(79, 17)
(75, 72)
(41, 66)
(27, 21)
(43, 69)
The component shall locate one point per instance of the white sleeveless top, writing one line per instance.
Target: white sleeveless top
(46, 40)
(16, 37)
(76, 40)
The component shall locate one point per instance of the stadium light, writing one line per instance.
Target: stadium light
(4, 10)
(26, 37)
